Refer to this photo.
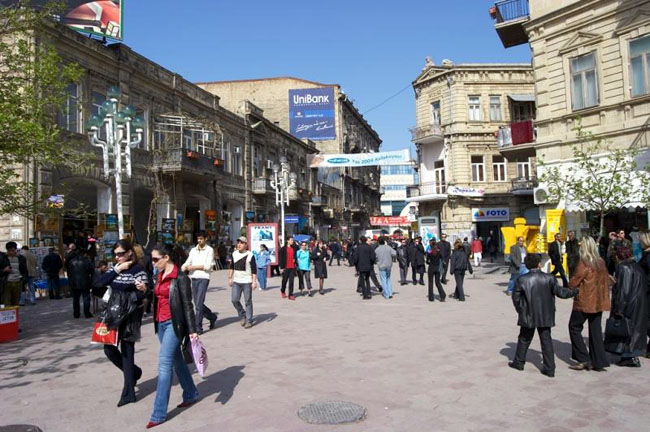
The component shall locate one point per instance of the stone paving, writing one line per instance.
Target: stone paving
(414, 366)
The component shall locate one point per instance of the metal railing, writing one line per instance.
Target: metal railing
(509, 10)
(428, 188)
(521, 184)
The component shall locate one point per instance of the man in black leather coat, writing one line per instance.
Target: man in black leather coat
(534, 300)
(364, 260)
(445, 251)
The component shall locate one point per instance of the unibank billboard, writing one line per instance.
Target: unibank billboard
(311, 113)
(101, 18)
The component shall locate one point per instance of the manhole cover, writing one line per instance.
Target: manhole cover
(20, 428)
(13, 364)
(331, 412)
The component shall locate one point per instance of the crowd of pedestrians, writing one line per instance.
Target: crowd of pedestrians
(174, 286)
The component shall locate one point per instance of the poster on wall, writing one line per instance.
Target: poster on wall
(311, 113)
(167, 224)
(211, 222)
(111, 222)
(264, 234)
(555, 223)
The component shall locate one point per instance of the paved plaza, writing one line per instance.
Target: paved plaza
(414, 366)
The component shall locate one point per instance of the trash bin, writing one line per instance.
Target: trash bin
(9, 324)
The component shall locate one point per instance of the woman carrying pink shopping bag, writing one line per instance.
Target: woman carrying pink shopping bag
(173, 321)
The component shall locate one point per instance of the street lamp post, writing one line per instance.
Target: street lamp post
(117, 126)
(282, 182)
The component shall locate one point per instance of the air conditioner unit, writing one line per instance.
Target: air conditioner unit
(237, 150)
(540, 195)
(269, 164)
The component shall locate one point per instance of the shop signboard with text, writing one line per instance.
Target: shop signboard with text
(389, 221)
(491, 214)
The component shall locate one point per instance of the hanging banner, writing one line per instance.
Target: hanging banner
(465, 191)
(389, 220)
(397, 157)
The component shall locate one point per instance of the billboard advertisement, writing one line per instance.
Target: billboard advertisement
(264, 233)
(311, 113)
(397, 157)
(101, 18)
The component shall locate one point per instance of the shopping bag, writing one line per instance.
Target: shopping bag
(200, 356)
(102, 335)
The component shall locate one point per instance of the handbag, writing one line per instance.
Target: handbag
(200, 356)
(102, 335)
(618, 328)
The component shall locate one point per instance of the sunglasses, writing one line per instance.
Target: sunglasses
(155, 259)
(120, 254)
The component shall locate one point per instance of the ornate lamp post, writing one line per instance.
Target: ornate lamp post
(118, 127)
(282, 182)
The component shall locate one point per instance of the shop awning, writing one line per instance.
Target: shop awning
(522, 97)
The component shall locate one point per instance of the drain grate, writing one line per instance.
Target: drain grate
(331, 412)
(20, 428)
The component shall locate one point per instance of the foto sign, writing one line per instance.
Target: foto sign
(492, 214)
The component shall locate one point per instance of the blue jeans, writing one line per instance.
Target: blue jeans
(513, 278)
(32, 292)
(261, 277)
(384, 277)
(170, 355)
(237, 290)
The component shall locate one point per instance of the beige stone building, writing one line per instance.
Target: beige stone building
(464, 180)
(591, 61)
(348, 195)
(199, 163)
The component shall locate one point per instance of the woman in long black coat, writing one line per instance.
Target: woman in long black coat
(645, 265)
(320, 256)
(629, 301)
(458, 265)
(434, 260)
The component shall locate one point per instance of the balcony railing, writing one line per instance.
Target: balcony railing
(319, 200)
(261, 186)
(524, 185)
(509, 10)
(428, 188)
(420, 133)
(517, 133)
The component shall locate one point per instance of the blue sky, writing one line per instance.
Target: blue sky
(373, 49)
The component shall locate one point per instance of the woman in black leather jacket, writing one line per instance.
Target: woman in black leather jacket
(174, 322)
(434, 259)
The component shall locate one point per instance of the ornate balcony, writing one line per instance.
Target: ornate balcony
(426, 134)
(523, 186)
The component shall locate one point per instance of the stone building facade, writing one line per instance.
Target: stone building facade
(464, 180)
(348, 195)
(591, 62)
(196, 165)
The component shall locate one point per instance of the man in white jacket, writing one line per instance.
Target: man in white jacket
(199, 264)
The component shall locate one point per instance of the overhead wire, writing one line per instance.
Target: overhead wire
(388, 99)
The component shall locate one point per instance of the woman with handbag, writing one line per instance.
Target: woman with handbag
(173, 322)
(126, 277)
(592, 280)
(434, 260)
(628, 316)
(320, 256)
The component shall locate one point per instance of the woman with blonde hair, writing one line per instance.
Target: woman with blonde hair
(593, 281)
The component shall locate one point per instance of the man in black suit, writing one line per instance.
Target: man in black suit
(364, 259)
(555, 253)
(417, 258)
(445, 251)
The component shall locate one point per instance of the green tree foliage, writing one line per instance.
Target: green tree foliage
(598, 177)
(33, 83)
